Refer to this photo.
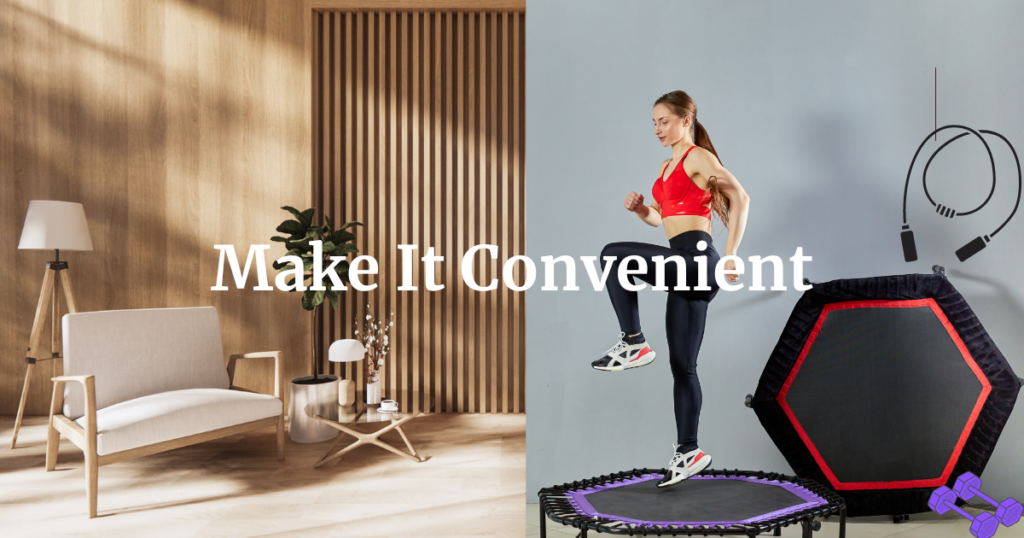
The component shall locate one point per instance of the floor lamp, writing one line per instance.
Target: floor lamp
(50, 225)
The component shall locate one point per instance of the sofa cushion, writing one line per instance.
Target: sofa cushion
(135, 353)
(174, 414)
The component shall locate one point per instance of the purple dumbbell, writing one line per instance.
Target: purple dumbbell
(983, 526)
(966, 488)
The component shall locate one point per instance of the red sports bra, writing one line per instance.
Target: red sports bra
(681, 198)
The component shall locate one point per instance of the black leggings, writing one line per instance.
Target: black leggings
(685, 313)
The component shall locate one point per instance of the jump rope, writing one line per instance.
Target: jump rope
(978, 243)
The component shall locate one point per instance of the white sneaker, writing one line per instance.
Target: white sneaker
(627, 353)
(684, 466)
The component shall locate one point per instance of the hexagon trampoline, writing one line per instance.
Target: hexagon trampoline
(713, 502)
(884, 389)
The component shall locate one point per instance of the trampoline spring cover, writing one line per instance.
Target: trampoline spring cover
(714, 501)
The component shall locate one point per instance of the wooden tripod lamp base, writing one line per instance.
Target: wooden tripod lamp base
(48, 294)
(50, 225)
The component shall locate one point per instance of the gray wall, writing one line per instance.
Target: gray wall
(817, 109)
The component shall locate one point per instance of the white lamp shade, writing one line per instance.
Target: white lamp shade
(55, 225)
(346, 351)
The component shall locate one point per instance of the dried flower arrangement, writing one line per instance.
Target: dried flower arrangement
(375, 338)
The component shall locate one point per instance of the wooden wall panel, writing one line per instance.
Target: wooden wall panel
(418, 135)
(178, 125)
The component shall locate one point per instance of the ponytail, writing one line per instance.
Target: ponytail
(719, 202)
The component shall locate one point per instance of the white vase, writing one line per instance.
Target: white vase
(373, 391)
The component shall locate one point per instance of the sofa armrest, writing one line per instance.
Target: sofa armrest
(89, 384)
(276, 355)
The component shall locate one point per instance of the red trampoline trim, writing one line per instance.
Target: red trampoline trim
(896, 484)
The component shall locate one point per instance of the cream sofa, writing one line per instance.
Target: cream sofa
(138, 382)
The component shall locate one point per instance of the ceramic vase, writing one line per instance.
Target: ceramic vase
(373, 390)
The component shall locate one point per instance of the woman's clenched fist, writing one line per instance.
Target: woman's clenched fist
(634, 201)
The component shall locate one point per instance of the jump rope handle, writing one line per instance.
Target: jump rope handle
(909, 248)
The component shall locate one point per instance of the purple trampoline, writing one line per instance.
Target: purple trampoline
(712, 503)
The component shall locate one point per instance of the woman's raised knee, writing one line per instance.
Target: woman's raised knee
(612, 249)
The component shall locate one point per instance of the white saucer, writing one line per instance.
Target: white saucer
(382, 410)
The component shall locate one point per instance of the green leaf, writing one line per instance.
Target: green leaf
(302, 243)
(312, 299)
(334, 301)
(307, 216)
(279, 239)
(347, 224)
(342, 236)
(304, 217)
(292, 227)
(287, 264)
(343, 250)
(328, 219)
(281, 265)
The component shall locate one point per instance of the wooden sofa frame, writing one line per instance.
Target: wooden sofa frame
(85, 438)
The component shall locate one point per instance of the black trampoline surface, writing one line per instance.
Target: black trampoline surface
(693, 500)
(880, 370)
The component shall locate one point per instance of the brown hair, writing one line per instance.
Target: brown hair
(680, 103)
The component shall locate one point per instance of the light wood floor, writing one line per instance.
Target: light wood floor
(473, 485)
(929, 525)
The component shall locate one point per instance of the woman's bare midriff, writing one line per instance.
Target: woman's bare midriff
(678, 224)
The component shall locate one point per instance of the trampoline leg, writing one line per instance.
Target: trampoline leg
(806, 528)
(778, 531)
(842, 522)
(543, 522)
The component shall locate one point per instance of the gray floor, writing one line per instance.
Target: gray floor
(919, 526)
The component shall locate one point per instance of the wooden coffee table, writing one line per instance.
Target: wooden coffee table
(343, 417)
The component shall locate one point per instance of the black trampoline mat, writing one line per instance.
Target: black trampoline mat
(884, 394)
(697, 500)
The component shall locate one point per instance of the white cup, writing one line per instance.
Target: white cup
(389, 405)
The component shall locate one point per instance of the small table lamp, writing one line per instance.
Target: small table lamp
(346, 351)
(50, 225)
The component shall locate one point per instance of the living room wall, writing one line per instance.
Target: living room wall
(179, 125)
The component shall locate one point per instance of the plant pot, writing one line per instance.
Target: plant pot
(309, 398)
(373, 391)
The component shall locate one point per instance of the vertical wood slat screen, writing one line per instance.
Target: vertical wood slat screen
(419, 135)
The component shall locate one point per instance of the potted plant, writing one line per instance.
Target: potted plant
(375, 339)
(313, 394)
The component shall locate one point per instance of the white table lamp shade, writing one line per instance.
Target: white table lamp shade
(346, 351)
(53, 225)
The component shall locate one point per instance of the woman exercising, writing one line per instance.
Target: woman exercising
(684, 197)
